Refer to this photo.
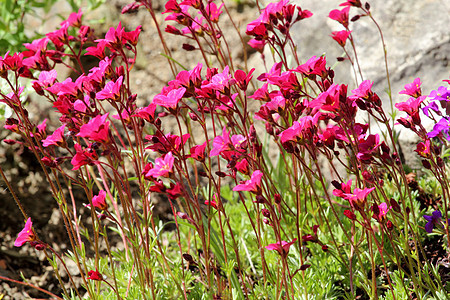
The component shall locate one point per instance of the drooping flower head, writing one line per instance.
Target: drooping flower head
(281, 247)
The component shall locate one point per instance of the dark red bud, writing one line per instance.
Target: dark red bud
(349, 214)
(265, 213)
(193, 116)
(324, 248)
(277, 198)
(355, 18)
(426, 164)
(188, 258)
(188, 47)
(304, 267)
(221, 174)
(9, 142)
(389, 225)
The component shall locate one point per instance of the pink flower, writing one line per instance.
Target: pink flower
(340, 36)
(95, 275)
(111, 90)
(147, 113)
(424, 149)
(113, 37)
(47, 78)
(83, 157)
(224, 142)
(220, 81)
(282, 248)
(26, 235)
(212, 202)
(313, 66)
(257, 45)
(380, 211)
(340, 15)
(171, 99)
(213, 11)
(357, 199)
(74, 19)
(299, 130)
(57, 138)
(163, 166)
(97, 129)
(198, 152)
(252, 185)
(413, 89)
(99, 200)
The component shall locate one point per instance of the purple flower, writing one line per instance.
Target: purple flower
(440, 127)
(441, 94)
(434, 219)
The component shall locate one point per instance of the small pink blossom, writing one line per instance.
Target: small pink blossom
(171, 99)
(340, 36)
(99, 200)
(251, 185)
(111, 90)
(26, 235)
(83, 157)
(281, 247)
(413, 89)
(380, 211)
(97, 129)
(163, 166)
(56, 138)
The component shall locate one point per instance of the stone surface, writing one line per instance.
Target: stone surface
(417, 39)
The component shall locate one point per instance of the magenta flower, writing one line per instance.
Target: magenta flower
(132, 36)
(380, 211)
(147, 113)
(198, 152)
(424, 149)
(313, 66)
(26, 235)
(257, 45)
(56, 138)
(111, 90)
(410, 106)
(220, 81)
(299, 130)
(368, 147)
(97, 129)
(95, 275)
(281, 247)
(340, 36)
(252, 185)
(83, 157)
(224, 142)
(163, 166)
(357, 199)
(47, 78)
(213, 11)
(413, 89)
(74, 19)
(340, 15)
(171, 99)
(99, 200)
